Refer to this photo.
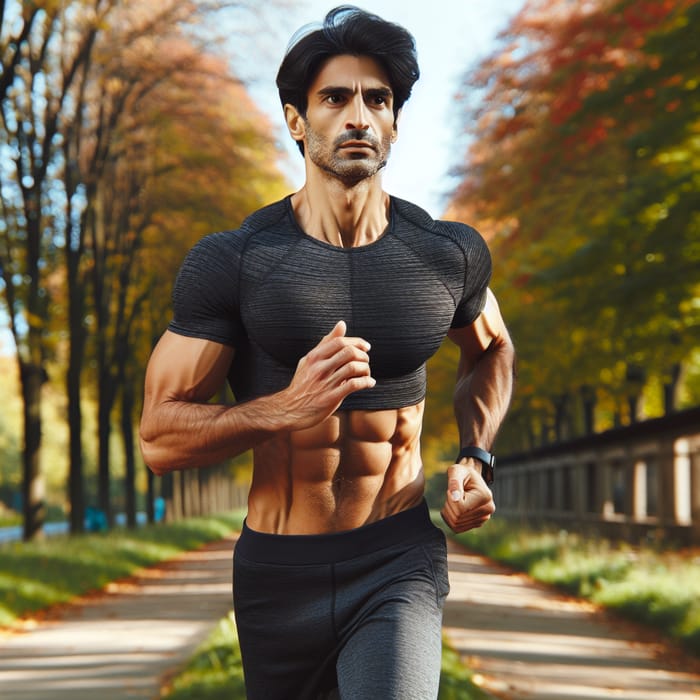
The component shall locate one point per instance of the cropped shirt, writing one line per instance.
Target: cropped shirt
(272, 292)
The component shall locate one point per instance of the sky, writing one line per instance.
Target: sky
(451, 37)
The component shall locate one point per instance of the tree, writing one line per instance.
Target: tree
(587, 275)
(43, 57)
(75, 75)
(183, 126)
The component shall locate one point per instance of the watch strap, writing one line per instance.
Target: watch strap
(487, 460)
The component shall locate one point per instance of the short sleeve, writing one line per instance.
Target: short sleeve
(205, 294)
(477, 275)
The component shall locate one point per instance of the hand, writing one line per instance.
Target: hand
(469, 501)
(334, 369)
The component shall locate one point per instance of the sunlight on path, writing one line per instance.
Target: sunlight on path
(526, 642)
(121, 644)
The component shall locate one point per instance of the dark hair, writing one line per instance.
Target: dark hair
(347, 30)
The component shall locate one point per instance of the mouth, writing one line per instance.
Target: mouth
(355, 145)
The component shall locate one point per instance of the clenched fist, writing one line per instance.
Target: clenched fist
(469, 502)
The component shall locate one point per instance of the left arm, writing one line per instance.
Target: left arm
(481, 398)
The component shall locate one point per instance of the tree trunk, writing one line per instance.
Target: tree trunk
(76, 492)
(127, 420)
(150, 496)
(561, 404)
(33, 377)
(104, 411)
(670, 389)
(589, 399)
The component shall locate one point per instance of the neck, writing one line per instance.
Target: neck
(341, 214)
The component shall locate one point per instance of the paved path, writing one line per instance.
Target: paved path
(525, 642)
(124, 643)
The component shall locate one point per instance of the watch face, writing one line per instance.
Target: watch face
(487, 472)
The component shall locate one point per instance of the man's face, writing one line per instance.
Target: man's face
(349, 125)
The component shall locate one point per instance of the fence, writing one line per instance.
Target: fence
(641, 480)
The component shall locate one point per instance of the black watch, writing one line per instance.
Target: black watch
(486, 458)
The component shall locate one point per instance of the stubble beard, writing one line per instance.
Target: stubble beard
(349, 167)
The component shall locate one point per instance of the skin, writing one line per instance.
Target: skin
(318, 469)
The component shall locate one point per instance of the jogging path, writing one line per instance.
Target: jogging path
(125, 642)
(527, 642)
(523, 640)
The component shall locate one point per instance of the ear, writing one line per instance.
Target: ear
(395, 128)
(295, 122)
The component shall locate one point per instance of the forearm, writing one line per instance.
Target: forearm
(180, 435)
(482, 396)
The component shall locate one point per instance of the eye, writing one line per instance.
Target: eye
(379, 99)
(334, 99)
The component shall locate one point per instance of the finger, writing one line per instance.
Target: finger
(348, 370)
(332, 345)
(338, 331)
(336, 395)
(346, 359)
(456, 476)
(466, 521)
(472, 508)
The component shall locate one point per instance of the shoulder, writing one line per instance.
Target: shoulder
(451, 234)
(269, 216)
(224, 246)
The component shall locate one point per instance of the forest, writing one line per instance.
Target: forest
(126, 136)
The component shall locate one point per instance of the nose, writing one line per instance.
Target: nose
(357, 114)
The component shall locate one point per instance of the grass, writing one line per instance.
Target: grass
(36, 575)
(657, 588)
(215, 672)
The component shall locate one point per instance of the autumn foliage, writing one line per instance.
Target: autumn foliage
(125, 137)
(582, 171)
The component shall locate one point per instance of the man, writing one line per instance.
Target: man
(322, 310)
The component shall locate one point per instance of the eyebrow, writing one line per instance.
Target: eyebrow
(342, 90)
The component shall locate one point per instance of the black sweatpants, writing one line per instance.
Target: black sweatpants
(359, 611)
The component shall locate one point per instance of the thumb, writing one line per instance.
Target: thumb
(338, 330)
(456, 475)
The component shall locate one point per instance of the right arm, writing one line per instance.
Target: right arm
(180, 429)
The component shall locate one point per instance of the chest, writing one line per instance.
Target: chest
(402, 306)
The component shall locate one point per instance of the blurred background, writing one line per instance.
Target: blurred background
(568, 133)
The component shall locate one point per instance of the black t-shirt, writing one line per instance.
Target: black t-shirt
(272, 292)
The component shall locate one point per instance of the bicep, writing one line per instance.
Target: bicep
(476, 339)
(186, 369)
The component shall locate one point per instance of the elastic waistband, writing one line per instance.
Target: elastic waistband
(404, 527)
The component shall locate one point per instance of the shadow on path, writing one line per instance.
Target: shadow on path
(121, 643)
(527, 642)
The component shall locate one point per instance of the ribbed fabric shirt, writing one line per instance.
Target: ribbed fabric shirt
(272, 292)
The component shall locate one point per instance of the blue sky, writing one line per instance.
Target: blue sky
(451, 36)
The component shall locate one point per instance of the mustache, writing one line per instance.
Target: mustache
(357, 135)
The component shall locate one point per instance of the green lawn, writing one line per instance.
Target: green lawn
(658, 588)
(35, 575)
